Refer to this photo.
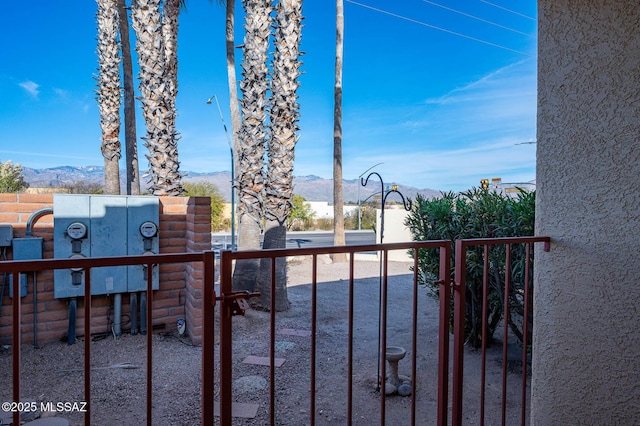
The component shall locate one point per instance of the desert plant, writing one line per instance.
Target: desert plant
(324, 224)
(11, 177)
(84, 187)
(367, 217)
(301, 215)
(207, 189)
(477, 213)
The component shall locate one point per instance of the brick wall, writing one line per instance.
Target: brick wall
(185, 227)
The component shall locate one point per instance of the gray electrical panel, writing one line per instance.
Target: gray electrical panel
(25, 249)
(108, 230)
(71, 239)
(6, 235)
(98, 226)
(142, 238)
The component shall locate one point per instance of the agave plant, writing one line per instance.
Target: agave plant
(109, 92)
(157, 107)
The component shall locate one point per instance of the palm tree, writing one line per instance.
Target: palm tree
(131, 145)
(170, 13)
(109, 92)
(338, 202)
(157, 105)
(232, 82)
(252, 137)
(284, 115)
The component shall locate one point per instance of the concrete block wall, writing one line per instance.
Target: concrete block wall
(185, 227)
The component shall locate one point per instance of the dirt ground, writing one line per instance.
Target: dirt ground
(53, 372)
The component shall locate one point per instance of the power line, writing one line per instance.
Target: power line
(509, 10)
(437, 28)
(477, 18)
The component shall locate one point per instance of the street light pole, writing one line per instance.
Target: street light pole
(233, 174)
(359, 205)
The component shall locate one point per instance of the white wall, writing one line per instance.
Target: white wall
(324, 210)
(394, 232)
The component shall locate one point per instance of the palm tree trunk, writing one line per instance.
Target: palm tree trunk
(131, 142)
(170, 13)
(233, 88)
(284, 126)
(161, 140)
(252, 137)
(275, 236)
(109, 92)
(338, 202)
(246, 270)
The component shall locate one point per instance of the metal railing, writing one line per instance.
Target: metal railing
(226, 301)
(227, 296)
(460, 302)
(16, 267)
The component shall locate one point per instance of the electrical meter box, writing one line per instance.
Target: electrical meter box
(142, 239)
(6, 235)
(25, 249)
(108, 230)
(102, 226)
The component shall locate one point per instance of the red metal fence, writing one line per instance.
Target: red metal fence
(460, 302)
(227, 300)
(16, 267)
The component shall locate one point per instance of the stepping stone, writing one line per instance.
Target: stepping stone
(238, 409)
(263, 360)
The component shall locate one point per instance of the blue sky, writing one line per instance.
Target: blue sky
(442, 92)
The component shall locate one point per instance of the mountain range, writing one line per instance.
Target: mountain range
(312, 188)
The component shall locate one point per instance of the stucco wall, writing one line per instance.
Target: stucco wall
(587, 321)
(395, 231)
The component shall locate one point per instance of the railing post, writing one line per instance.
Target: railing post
(458, 331)
(208, 338)
(149, 343)
(226, 339)
(87, 345)
(443, 331)
(16, 341)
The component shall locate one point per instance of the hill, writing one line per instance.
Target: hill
(312, 188)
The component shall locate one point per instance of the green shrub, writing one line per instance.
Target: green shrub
(367, 217)
(478, 213)
(11, 177)
(83, 187)
(301, 216)
(207, 189)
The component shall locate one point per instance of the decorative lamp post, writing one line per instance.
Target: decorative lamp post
(233, 174)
